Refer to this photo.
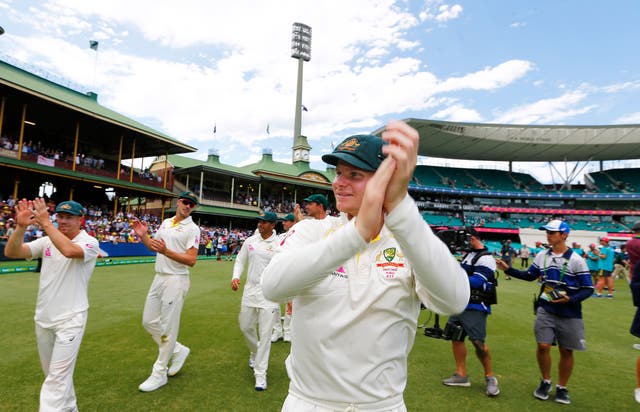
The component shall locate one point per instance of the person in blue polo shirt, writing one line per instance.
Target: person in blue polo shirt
(566, 282)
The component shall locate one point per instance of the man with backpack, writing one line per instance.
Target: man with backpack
(565, 283)
(480, 267)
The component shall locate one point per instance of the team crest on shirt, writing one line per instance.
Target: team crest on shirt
(389, 262)
(389, 253)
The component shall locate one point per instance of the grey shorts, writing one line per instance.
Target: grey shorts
(474, 323)
(567, 332)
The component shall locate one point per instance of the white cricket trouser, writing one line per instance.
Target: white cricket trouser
(161, 316)
(298, 403)
(256, 325)
(58, 347)
(284, 326)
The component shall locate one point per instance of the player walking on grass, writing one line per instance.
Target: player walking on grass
(176, 244)
(566, 282)
(257, 314)
(69, 256)
(357, 281)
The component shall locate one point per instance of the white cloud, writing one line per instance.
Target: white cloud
(517, 24)
(490, 77)
(458, 113)
(435, 10)
(547, 110)
(631, 118)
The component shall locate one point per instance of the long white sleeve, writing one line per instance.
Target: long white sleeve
(310, 251)
(442, 284)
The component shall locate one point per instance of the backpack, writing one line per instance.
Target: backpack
(489, 297)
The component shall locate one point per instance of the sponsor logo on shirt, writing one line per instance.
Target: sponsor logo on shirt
(47, 252)
(286, 236)
(340, 273)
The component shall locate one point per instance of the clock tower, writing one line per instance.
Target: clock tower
(301, 150)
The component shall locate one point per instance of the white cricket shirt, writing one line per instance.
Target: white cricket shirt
(178, 237)
(64, 282)
(357, 304)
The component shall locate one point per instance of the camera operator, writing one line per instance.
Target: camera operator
(480, 267)
(566, 282)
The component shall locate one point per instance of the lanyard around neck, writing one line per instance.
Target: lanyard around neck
(562, 272)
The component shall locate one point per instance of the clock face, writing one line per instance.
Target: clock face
(296, 155)
(305, 156)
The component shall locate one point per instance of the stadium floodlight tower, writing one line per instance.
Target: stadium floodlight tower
(301, 50)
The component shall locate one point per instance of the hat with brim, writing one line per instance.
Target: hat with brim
(289, 218)
(556, 225)
(71, 207)
(318, 198)
(189, 196)
(268, 217)
(473, 232)
(360, 151)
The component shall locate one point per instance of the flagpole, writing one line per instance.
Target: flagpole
(93, 45)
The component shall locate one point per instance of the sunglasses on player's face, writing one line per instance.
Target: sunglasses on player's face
(188, 202)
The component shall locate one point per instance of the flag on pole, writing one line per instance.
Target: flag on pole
(268, 129)
(214, 128)
(93, 45)
(304, 108)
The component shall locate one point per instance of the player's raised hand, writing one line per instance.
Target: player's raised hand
(371, 214)
(24, 212)
(402, 146)
(140, 228)
(40, 211)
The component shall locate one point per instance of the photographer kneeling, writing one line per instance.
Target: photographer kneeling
(480, 267)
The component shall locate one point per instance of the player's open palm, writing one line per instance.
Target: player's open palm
(371, 215)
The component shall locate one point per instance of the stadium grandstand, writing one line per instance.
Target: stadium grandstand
(61, 143)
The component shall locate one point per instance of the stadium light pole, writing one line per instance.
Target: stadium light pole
(301, 50)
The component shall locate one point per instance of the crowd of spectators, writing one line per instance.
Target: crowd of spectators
(81, 159)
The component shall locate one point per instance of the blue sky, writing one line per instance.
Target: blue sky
(183, 67)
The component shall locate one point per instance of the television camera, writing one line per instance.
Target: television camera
(458, 241)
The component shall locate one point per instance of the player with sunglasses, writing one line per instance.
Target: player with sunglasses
(176, 244)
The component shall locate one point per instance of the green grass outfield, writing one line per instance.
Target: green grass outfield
(117, 354)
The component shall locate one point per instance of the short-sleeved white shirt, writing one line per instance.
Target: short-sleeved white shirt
(178, 237)
(64, 282)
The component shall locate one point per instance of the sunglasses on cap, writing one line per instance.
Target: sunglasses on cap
(188, 202)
